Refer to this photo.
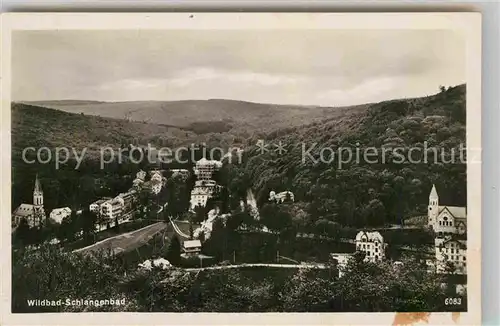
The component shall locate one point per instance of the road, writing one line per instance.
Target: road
(126, 241)
(177, 230)
(318, 266)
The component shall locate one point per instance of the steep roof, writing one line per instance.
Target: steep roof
(434, 193)
(370, 236)
(24, 210)
(456, 211)
(38, 187)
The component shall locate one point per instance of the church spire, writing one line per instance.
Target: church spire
(38, 187)
(434, 193)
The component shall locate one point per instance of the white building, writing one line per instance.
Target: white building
(446, 219)
(204, 168)
(95, 207)
(59, 214)
(191, 248)
(112, 209)
(281, 197)
(199, 197)
(451, 253)
(372, 244)
(34, 214)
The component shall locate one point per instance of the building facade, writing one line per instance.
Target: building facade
(372, 244)
(451, 256)
(191, 248)
(204, 169)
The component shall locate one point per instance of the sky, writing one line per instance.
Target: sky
(309, 67)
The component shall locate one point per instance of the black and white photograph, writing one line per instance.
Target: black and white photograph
(298, 169)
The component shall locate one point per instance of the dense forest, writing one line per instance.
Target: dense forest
(51, 274)
(362, 193)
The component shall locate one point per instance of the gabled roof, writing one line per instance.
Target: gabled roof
(434, 193)
(455, 211)
(462, 243)
(188, 244)
(370, 236)
(24, 210)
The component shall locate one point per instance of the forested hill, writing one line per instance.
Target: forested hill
(360, 192)
(39, 126)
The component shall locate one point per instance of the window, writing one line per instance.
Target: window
(376, 249)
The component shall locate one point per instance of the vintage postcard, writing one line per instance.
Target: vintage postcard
(251, 168)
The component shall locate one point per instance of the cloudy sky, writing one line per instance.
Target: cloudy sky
(291, 67)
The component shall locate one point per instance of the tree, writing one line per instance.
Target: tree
(191, 230)
(174, 251)
(22, 233)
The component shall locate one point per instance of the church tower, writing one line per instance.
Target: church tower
(433, 206)
(38, 211)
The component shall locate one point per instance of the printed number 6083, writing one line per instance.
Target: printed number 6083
(452, 301)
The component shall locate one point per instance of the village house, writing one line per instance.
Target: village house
(372, 244)
(95, 207)
(34, 214)
(281, 197)
(446, 219)
(59, 214)
(191, 248)
(451, 256)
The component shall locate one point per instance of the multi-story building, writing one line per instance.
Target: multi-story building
(451, 255)
(199, 197)
(112, 209)
(129, 199)
(446, 219)
(95, 207)
(372, 244)
(34, 214)
(204, 168)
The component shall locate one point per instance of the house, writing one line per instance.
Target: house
(34, 214)
(204, 168)
(372, 244)
(451, 255)
(59, 214)
(191, 248)
(446, 219)
(95, 207)
(281, 197)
